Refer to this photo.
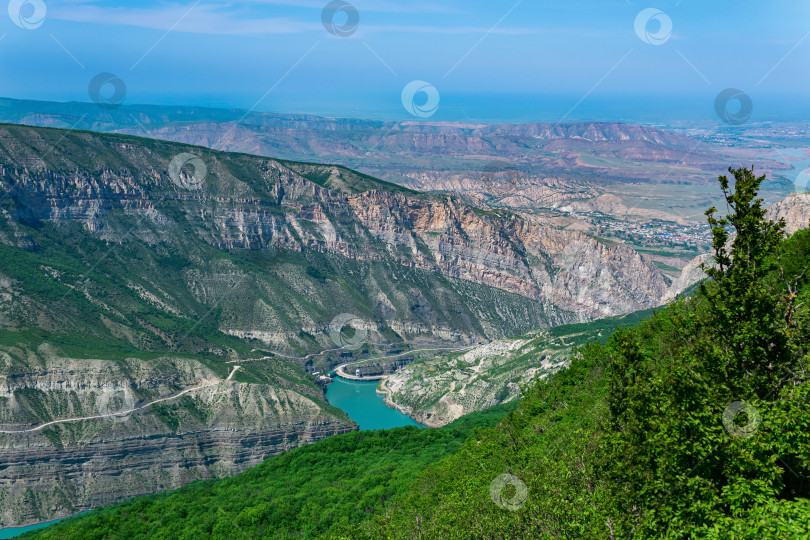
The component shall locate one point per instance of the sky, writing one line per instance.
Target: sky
(477, 60)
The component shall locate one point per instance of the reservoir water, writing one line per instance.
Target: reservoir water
(364, 405)
(12, 532)
(799, 159)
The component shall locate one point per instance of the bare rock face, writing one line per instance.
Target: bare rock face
(690, 274)
(518, 254)
(218, 428)
(794, 209)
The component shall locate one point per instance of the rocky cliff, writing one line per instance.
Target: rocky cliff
(794, 209)
(79, 433)
(119, 190)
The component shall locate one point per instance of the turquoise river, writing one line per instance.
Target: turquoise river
(364, 405)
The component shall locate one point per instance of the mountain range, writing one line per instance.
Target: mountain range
(564, 170)
(160, 303)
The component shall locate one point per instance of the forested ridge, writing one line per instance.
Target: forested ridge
(693, 423)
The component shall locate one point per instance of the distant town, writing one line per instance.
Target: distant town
(651, 233)
(658, 233)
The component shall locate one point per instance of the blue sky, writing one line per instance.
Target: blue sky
(577, 56)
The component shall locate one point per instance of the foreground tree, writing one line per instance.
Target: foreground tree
(708, 408)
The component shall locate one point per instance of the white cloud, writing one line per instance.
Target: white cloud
(236, 19)
(201, 19)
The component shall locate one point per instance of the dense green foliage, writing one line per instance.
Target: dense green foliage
(694, 423)
(325, 488)
(708, 414)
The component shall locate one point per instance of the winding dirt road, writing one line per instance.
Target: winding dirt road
(122, 413)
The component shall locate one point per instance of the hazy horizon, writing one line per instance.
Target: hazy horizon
(619, 61)
(669, 111)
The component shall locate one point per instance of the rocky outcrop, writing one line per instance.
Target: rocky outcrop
(690, 274)
(437, 390)
(794, 209)
(220, 429)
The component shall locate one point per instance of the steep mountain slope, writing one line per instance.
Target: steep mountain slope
(277, 248)
(132, 426)
(654, 409)
(329, 489)
(106, 393)
(438, 390)
(136, 275)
